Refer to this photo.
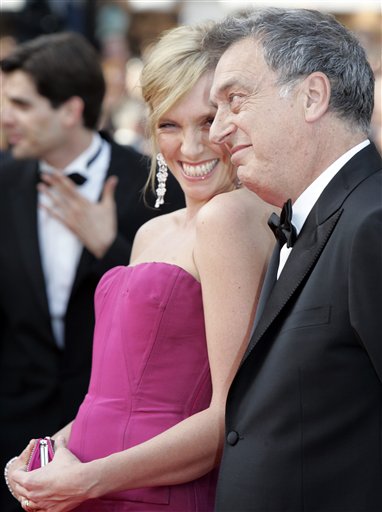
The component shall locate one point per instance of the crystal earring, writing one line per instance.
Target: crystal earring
(162, 174)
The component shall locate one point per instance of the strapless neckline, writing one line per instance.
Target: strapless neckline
(183, 270)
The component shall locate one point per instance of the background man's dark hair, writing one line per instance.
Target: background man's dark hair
(62, 66)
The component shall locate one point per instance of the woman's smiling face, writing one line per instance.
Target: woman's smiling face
(202, 168)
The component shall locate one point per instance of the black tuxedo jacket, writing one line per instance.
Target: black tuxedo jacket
(42, 386)
(304, 413)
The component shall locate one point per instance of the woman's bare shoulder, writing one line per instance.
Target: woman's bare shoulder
(156, 224)
(233, 209)
(153, 229)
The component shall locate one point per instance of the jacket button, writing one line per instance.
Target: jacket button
(232, 437)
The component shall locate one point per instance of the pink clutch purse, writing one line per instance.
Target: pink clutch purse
(42, 453)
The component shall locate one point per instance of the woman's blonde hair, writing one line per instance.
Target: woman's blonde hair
(172, 67)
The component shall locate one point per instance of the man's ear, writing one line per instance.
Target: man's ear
(316, 93)
(72, 111)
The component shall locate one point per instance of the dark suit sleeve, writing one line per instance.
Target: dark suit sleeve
(117, 254)
(365, 287)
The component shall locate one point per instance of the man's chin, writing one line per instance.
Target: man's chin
(244, 178)
(20, 152)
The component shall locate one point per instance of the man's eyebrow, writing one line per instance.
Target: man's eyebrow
(222, 90)
(16, 100)
(228, 85)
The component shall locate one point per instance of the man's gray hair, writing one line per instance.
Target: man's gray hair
(298, 42)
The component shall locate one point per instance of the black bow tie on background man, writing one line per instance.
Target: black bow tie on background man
(76, 177)
(282, 226)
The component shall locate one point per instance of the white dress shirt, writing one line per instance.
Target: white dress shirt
(60, 249)
(305, 202)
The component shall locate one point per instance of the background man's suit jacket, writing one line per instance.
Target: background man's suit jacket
(304, 413)
(41, 386)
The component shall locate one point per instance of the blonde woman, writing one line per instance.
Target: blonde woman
(171, 327)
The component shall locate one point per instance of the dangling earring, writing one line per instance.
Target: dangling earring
(162, 174)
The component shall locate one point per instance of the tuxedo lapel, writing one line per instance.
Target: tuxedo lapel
(314, 236)
(298, 265)
(24, 207)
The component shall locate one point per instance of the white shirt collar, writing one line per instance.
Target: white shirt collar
(60, 248)
(305, 202)
(79, 164)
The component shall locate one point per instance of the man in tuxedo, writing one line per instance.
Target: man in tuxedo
(294, 97)
(71, 203)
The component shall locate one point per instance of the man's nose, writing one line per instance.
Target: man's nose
(221, 128)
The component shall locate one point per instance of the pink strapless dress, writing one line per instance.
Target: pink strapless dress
(150, 371)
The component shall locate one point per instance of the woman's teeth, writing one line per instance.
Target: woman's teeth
(199, 170)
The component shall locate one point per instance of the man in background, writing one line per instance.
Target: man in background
(71, 203)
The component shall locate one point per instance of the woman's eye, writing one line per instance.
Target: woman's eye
(165, 125)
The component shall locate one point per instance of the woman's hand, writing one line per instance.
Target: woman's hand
(19, 463)
(58, 487)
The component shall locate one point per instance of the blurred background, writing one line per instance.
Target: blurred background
(122, 30)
